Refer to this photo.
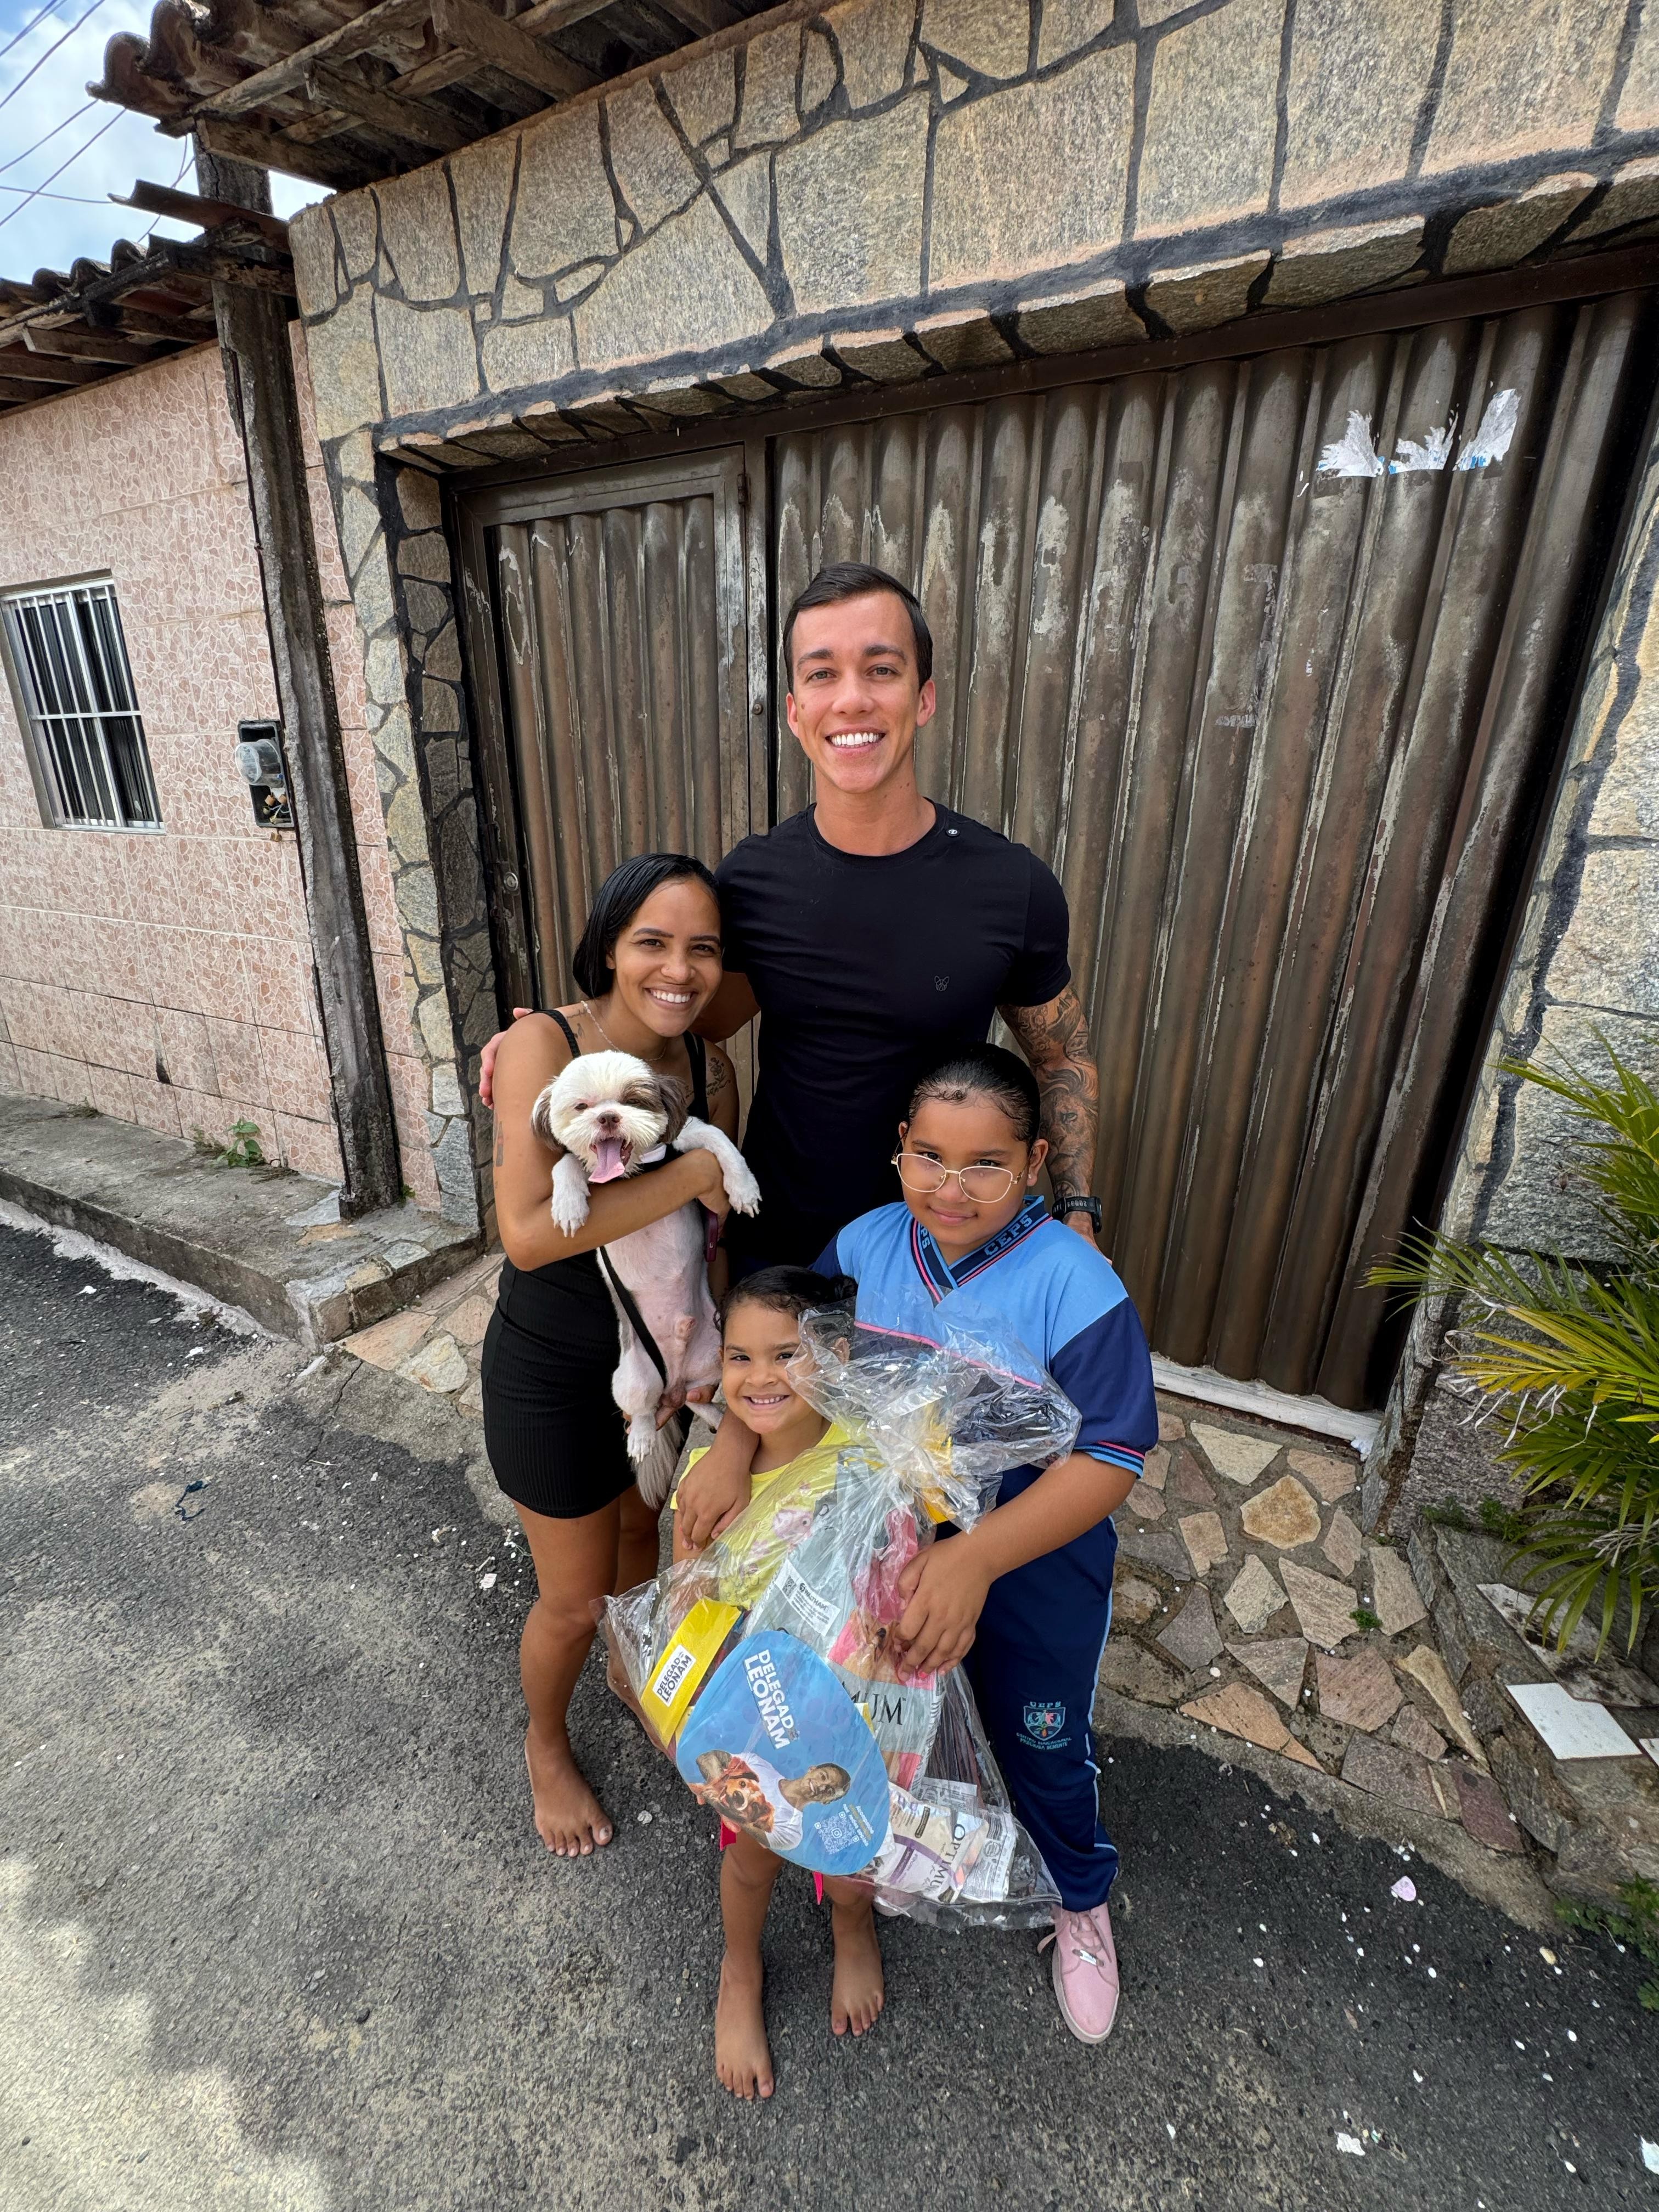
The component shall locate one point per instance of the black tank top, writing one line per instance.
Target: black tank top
(565, 1304)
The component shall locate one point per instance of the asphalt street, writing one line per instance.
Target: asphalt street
(276, 1930)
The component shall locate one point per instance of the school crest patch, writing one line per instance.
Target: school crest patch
(1044, 1722)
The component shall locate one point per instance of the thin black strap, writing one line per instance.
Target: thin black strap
(624, 1298)
(569, 1034)
(697, 1053)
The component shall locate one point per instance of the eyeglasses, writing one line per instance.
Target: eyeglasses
(983, 1184)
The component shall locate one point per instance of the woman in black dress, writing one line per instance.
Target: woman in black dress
(648, 963)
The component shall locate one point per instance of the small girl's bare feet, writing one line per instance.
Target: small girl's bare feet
(569, 1819)
(858, 1991)
(743, 2058)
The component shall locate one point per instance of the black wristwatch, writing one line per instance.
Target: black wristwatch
(1075, 1202)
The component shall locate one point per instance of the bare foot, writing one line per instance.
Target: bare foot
(743, 2058)
(858, 1992)
(569, 1818)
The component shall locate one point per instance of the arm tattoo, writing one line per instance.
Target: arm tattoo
(1054, 1038)
(719, 1074)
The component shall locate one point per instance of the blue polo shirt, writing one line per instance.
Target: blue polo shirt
(1044, 1283)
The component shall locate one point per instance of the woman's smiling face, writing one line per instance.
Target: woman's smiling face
(665, 963)
(971, 1132)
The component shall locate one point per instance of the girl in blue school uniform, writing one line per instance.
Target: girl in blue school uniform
(1022, 1599)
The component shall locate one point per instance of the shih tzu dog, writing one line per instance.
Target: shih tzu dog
(614, 1117)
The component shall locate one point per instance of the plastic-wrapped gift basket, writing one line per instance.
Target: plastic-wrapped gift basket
(767, 1665)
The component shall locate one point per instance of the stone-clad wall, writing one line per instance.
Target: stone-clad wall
(878, 192)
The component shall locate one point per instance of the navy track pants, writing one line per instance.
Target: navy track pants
(1033, 1670)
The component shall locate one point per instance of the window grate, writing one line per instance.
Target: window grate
(70, 661)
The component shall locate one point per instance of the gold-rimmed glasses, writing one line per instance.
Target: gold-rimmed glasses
(984, 1184)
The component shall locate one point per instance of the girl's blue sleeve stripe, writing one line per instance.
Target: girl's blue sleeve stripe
(1106, 1371)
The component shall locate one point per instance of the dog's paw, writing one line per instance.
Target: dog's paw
(570, 1195)
(740, 1185)
(741, 1188)
(642, 1438)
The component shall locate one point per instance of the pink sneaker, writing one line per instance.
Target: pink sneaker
(1084, 1971)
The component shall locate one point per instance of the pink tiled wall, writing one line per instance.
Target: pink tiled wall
(165, 978)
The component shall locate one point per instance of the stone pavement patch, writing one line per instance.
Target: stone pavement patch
(1134, 1601)
(1133, 1672)
(1255, 1597)
(438, 1365)
(390, 1341)
(1412, 1733)
(1206, 1540)
(1170, 1427)
(1485, 1815)
(1242, 1459)
(1156, 1471)
(1361, 1691)
(1156, 1548)
(1192, 1638)
(1189, 1485)
(1426, 1667)
(1239, 1711)
(468, 1321)
(1284, 1516)
(1396, 1598)
(1385, 1771)
(1146, 1501)
(1343, 1546)
(1331, 1477)
(1324, 1609)
(1279, 1663)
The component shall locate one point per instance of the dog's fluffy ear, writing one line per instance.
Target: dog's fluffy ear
(541, 1116)
(675, 1104)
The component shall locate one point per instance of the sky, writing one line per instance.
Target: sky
(49, 231)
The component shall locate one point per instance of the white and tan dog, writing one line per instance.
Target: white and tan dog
(613, 1117)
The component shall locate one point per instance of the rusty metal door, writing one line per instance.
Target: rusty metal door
(1271, 660)
(618, 649)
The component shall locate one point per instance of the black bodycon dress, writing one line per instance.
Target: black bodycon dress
(555, 1439)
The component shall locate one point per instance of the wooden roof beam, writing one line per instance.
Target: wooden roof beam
(270, 149)
(207, 215)
(468, 24)
(50, 373)
(361, 37)
(341, 88)
(86, 345)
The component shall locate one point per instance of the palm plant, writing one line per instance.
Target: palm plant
(1567, 1354)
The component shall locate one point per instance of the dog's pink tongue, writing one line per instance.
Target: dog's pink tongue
(610, 1166)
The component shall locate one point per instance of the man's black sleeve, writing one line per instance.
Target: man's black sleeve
(1040, 970)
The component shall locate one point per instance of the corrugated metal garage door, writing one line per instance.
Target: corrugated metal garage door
(1284, 731)
(619, 646)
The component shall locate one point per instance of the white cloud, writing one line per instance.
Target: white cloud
(49, 234)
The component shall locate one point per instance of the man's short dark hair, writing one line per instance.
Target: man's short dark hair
(857, 579)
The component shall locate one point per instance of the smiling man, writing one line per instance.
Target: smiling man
(877, 929)
(875, 932)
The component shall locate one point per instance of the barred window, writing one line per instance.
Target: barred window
(70, 660)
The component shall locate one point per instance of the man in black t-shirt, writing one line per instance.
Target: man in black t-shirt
(875, 932)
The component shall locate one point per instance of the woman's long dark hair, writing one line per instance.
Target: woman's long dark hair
(621, 896)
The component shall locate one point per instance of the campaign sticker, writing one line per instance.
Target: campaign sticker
(778, 1749)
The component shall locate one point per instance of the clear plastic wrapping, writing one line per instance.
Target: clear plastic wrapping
(767, 1666)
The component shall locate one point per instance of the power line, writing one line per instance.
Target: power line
(18, 37)
(72, 117)
(68, 199)
(62, 166)
(14, 89)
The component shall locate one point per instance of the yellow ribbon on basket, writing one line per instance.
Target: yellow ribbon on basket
(677, 1675)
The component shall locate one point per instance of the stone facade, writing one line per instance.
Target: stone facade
(884, 191)
(166, 979)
